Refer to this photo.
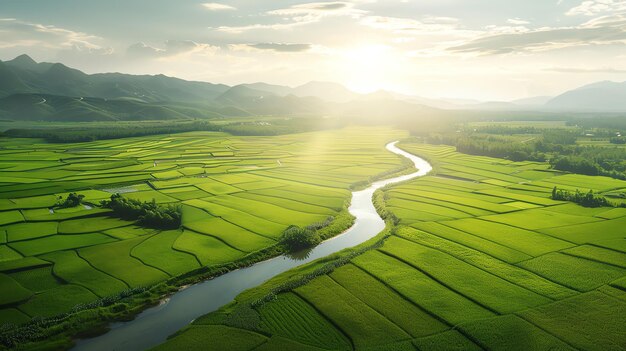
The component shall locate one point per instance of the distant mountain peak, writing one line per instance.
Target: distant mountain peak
(23, 61)
(604, 96)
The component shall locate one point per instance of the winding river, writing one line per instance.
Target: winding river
(154, 325)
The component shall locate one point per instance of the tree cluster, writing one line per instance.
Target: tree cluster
(72, 200)
(588, 199)
(147, 214)
(557, 146)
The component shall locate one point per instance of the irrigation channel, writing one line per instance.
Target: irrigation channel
(155, 324)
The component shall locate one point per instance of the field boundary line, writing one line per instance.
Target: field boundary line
(592, 259)
(130, 253)
(432, 314)
(545, 331)
(235, 224)
(482, 269)
(490, 240)
(329, 320)
(372, 308)
(212, 236)
(285, 198)
(469, 247)
(99, 270)
(531, 230)
(490, 309)
(402, 196)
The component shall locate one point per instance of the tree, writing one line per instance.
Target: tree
(296, 238)
(72, 200)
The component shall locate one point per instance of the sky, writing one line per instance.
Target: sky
(471, 49)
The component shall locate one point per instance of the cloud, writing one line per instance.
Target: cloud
(598, 31)
(16, 33)
(585, 70)
(300, 14)
(281, 47)
(427, 25)
(594, 7)
(172, 48)
(213, 6)
(314, 8)
(517, 21)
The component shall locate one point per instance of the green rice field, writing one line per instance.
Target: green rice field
(481, 259)
(238, 194)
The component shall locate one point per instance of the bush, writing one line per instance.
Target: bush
(72, 200)
(147, 214)
(584, 199)
(296, 238)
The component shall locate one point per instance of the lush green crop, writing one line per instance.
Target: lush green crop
(361, 323)
(489, 262)
(291, 317)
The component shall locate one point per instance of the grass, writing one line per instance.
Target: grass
(385, 301)
(591, 321)
(157, 251)
(431, 296)
(482, 260)
(24, 231)
(58, 243)
(56, 300)
(238, 196)
(512, 333)
(577, 273)
(291, 317)
(123, 267)
(523, 240)
(71, 268)
(11, 292)
(214, 337)
(483, 287)
(361, 323)
(207, 249)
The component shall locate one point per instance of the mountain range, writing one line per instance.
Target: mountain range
(52, 91)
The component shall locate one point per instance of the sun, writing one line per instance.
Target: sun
(365, 69)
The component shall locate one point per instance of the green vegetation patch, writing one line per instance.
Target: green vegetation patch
(291, 317)
(59, 242)
(450, 340)
(57, 300)
(578, 273)
(590, 232)
(538, 219)
(8, 217)
(483, 287)
(24, 231)
(124, 267)
(385, 301)
(157, 251)
(420, 289)
(213, 337)
(506, 271)
(361, 323)
(90, 225)
(73, 269)
(207, 249)
(512, 333)
(591, 321)
(526, 241)
(12, 292)
(231, 234)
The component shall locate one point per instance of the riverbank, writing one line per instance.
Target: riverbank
(98, 318)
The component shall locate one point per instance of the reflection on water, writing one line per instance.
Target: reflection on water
(155, 324)
(299, 255)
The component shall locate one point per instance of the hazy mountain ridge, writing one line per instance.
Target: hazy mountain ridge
(604, 96)
(53, 91)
